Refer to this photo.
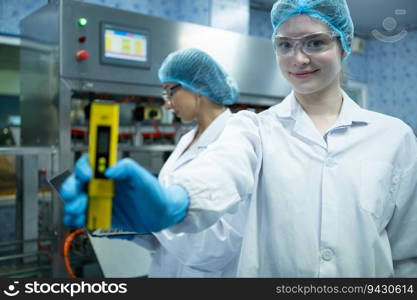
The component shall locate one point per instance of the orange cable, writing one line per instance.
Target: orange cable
(67, 246)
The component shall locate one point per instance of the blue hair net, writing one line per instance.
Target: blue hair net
(335, 13)
(199, 73)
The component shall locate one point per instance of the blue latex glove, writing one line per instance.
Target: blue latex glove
(73, 191)
(140, 204)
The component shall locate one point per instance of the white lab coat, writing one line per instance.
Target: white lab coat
(342, 205)
(211, 253)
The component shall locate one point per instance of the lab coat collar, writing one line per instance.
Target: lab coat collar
(350, 113)
(283, 109)
(209, 135)
(214, 129)
(290, 110)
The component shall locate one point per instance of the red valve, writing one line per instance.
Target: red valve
(82, 54)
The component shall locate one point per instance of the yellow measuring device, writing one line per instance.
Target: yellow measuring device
(102, 150)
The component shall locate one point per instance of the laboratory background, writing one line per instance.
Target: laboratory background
(58, 56)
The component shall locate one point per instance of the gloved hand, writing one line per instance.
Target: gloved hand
(140, 204)
(73, 191)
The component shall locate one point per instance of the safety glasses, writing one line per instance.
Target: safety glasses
(169, 92)
(310, 44)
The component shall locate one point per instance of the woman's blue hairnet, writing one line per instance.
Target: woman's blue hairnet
(335, 13)
(200, 73)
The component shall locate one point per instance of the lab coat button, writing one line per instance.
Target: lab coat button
(396, 179)
(327, 254)
(330, 163)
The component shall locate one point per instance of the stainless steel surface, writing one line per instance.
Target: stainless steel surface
(19, 272)
(25, 198)
(27, 207)
(19, 242)
(9, 40)
(130, 149)
(39, 102)
(249, 59)
(32, 255)
(27, 150)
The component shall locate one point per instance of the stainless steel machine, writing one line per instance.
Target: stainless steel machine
(74, 52)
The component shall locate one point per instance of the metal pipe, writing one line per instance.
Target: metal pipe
(29, 254)
(3, 244)
(27, 150)
(24, 271)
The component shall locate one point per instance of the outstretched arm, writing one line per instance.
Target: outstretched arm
(196, 198)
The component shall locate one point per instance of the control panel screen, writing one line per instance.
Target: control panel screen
(125, 46)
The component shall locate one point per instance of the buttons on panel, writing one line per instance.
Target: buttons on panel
(82, 22)
(82, 54)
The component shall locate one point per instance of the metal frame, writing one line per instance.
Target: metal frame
(27, 208)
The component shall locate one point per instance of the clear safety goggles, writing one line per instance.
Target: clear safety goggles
(169, 92)
(312, 43)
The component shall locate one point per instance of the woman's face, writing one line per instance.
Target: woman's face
(183, 102)
(309, 73)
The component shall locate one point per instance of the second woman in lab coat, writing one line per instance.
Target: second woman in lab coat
(196, 88)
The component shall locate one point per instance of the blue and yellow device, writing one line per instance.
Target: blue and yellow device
(102, 150)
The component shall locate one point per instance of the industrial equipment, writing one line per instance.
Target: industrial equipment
(74, 53)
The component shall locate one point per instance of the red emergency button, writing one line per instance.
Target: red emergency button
(82, 54)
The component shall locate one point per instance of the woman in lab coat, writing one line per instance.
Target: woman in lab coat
(196, 88)
(331, 187)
